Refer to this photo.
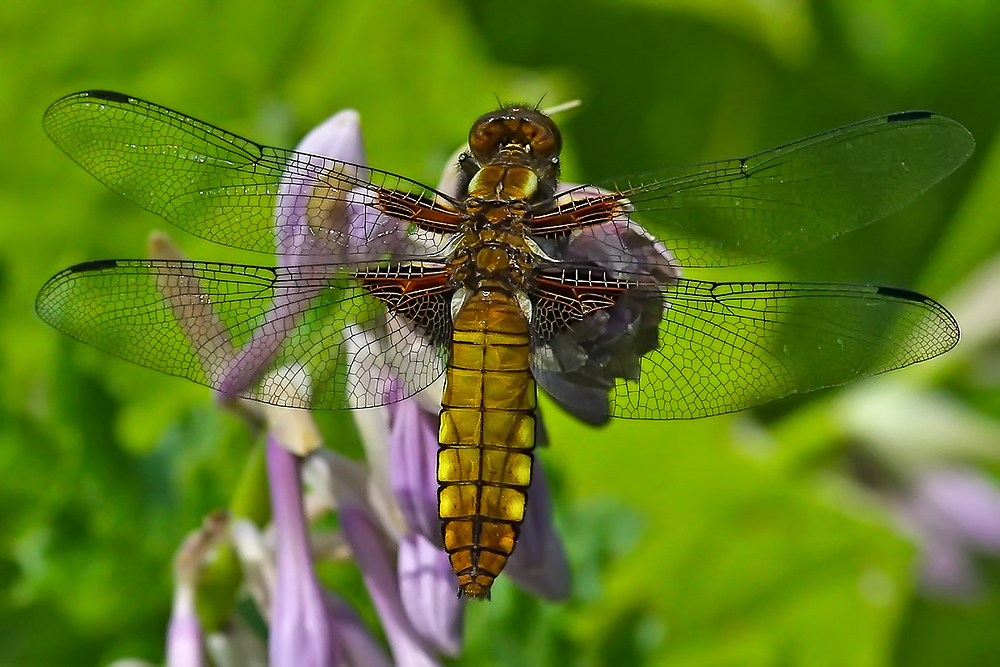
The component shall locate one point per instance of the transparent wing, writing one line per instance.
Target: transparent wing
(296, 336)
(235, 192)
(782, 201)
(694, 349)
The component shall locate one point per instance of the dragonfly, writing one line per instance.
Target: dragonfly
(505, 280)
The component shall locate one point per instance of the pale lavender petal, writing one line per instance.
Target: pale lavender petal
(377, 567)
(428, 589)
(304, 227)
(184, 643)
(539, 563)
(339, 137)
(322, 214)
(969, 505)
(336, 221)
(314, 224)
(300, 626)
(255, 358)
(358, 647)
(413, 451)
(376, 556)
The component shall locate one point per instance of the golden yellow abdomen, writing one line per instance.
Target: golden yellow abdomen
(486, 437)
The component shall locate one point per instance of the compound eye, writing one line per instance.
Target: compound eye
(484, 137)
(544, 141)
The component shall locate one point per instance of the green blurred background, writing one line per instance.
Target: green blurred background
(739, 540)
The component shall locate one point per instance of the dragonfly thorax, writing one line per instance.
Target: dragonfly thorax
(495, 255)
(503, 183)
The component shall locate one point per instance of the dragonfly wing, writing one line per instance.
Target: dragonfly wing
(590, 327)
(294, 336)
(230, 190)
(782, 201)
(694, 349)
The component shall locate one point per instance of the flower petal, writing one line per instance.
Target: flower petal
(300, 218)
(358, 647)
(968, 505)
(319, 217)
(339, 137)
(413, 450)
(197, 319)
(539, 563)
(375, 555)
(184, 647)
(428, 589)
(300, 626)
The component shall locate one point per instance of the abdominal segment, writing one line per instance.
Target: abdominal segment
(486, 437)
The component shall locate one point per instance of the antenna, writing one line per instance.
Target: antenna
(559, 108)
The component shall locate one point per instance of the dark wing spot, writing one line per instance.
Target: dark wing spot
(109, 95)
(903, 294)
(94, 265)
(907, 116)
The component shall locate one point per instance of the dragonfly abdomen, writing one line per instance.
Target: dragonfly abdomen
(486, 436)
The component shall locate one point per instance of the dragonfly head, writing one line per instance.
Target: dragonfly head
(514, 130)
(518, 138)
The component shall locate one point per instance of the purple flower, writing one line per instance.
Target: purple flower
(320, 217)
(184, 640)
(912, 445)
(307, 624)
(184, 631)
(954, 513)
(184, 636)
(427, 589)
(300, 627)
(356, 646)
(305, 234)
(413, 448)
(197, 317)
(310, 231)
(375, 552)
(311, 225)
